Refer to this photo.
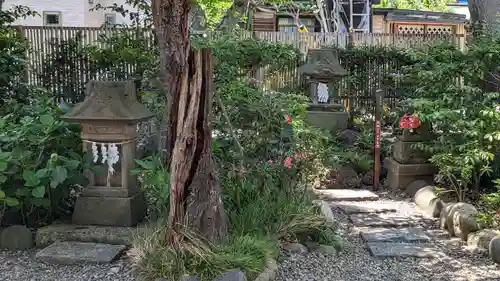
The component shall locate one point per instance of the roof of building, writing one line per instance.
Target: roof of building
(392, 14)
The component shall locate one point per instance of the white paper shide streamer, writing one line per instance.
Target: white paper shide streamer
(110, 155)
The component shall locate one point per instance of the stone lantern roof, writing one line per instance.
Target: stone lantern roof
(109, 101)
(322, 65)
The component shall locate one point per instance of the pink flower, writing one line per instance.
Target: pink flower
(288, 162)
(289, 119)
(270, 161)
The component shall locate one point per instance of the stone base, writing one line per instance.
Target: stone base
(331, 121)
(114, 235)
(400, 175)
(400, 182)
(403, 153)
(112, 211)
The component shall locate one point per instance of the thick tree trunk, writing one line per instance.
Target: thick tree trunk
(195, 195)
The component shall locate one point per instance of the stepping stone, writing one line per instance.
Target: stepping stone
(363, 208)
(410, 234)
(347, 195)
(383, 220)
(78, 252)
(403, 250)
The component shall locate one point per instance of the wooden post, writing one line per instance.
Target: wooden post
(379, 97)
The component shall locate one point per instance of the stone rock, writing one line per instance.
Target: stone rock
(360, 208)
(69, 253)
(187, 277)
(494, 249)
(410, 234)
(16, 238)
(231, 276)
(461, 220)
(415, 186)
(294, 248)
(269, 273)
(481, 239)
(347, 195)
(403, 250)
(343, 177)
(382, 220)
(424, 196)
(325, 209)
(325, 250)
(367, 179)
(348, 137)
(443, 216)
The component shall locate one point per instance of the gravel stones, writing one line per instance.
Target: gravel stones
(16, 237)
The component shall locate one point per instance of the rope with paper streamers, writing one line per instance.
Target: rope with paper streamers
(110, 155)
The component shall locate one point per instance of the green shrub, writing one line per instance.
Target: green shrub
(40, 159)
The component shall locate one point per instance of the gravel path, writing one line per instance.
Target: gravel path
(353, 264)
(20, 266)
(356, 264)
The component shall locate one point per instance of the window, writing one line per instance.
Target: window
(288, 24)
(52, 18)
(109, 19)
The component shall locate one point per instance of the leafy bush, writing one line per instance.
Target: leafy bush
(40, 159)
(463, 114)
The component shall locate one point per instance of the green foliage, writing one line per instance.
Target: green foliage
(40, 159)
(426, 5)
(155, 182)
(490, 213)
(12, 55)
(465, 117)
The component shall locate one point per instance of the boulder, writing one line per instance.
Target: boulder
(294, 248)
(367, 178)
(494, 249)
(461, 220)
(231, 276)
(426, 199)
(443, 216)
(344, 177)
(348, 137)
(481, 239)
(16, 238)
(325, 250)
(414, 186)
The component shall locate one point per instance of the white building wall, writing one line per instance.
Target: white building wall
(73, 12)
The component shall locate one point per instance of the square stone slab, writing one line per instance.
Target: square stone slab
(403, 250)
(362, 207)
(347, 195)
(77, 252)
(383, 220)
(410, 234)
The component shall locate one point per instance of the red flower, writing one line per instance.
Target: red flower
(289, 119)
(288, 162)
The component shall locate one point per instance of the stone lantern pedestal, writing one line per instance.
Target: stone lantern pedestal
(109, 117)
(323, 68)
(407, 164)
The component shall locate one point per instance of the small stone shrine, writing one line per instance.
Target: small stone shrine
(408, 164)
(109, 116)
(323, 68)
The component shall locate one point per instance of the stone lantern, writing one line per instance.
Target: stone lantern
(323, 68)
(109, 116)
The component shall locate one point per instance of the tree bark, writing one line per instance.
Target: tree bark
(195, 194)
